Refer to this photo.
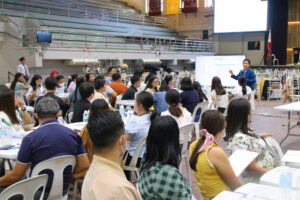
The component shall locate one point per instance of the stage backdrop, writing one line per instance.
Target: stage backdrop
(172, 7)
(190, 6)
(154, 7)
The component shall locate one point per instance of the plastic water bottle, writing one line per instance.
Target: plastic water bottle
(122, 110)
(85, 116)
(5, 138)
(285, 184)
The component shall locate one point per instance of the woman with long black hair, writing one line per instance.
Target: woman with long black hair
(75, 96)
(19, 85)
(152, 84)
(219, 92)
(238, 136)
(36, 89)
(242, 90)
(159, 175)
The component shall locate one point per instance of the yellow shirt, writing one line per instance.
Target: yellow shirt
(106, 180)
(208, 179)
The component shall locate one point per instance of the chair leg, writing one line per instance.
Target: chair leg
(75, 189)
(188, 170)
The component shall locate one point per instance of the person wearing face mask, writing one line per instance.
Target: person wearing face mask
(60, 82)
(105, 178)
(250, 78)
(137, 127)
(208, 161)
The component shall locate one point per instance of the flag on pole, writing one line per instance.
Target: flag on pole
(269, 51)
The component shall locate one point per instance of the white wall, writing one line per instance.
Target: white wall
(237, 44)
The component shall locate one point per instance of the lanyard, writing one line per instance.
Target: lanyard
(5, 122)
(26, 72)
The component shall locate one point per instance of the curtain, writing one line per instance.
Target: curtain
(154, 7)
(190, 6)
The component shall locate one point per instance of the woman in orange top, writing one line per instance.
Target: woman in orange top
(208, 161)
(118, 86)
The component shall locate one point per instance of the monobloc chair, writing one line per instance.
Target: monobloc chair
(204, 107)
(57, 165)
(27, 188)
(185, 133)
(132, 165)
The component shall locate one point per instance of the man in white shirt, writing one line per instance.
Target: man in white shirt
(22, 68)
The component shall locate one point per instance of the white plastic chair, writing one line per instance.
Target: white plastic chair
(132, 165)
(57, 165)
(70, 116)
(204, 107)
(185, 138)
(27, 188)
(79, 180)
(119, 98)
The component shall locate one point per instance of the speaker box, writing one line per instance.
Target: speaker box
(205, 35)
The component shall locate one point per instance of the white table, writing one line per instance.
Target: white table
(289, 108)
(272, 177)
(125, 103)
(258, 191)
(78, 126)
(11, 153)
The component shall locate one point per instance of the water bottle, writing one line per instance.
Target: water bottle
(4, 137)
(122, 110)
(85, 116)
(285, 180)
(285, 183)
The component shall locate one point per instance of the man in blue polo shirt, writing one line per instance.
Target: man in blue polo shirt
(48, 141)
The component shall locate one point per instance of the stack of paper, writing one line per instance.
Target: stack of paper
(240, 160)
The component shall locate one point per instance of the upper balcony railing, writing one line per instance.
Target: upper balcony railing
(80, 11)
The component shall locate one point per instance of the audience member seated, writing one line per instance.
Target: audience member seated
(51, 86)
(48, 141)
(242, 90)
(72, 83)
(159, 98)
(13, 111)
(219, 93)
(169, 80)
(159, 175)
(137, 127)
(89, 78)
(87, 91)
(180, 114)
(54, 73)
(152, 84)
(105, 178)
(60, 82)
(189, 97)
(19, 85)
(143, 85)
(184, 73)
(239, 137)
(100, 92)
(198, 88)
(75, 96)
(208, 161)
(96, 107)
(110, 93)
(135, 84)
(36, 89)
(110, 72)
(117, 85)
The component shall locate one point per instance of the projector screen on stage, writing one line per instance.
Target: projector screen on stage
(240, 16)
(209, 66)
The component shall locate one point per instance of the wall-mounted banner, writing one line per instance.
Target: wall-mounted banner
(172, 7)
(190, 6)
(154, 7)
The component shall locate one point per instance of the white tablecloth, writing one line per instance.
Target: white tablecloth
(125, 102)
(267, 192)
(272, 177)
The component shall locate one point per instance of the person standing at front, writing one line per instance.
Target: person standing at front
(22, 68)
(250, 78)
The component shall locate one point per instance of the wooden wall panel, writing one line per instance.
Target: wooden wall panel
(293, 28)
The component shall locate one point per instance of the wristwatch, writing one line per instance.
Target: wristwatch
(23, 109)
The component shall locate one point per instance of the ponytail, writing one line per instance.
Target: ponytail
(244, 89)
(153, 116)
(175, 110)
(195, 153)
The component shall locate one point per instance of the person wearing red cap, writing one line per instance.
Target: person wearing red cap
(54, 73)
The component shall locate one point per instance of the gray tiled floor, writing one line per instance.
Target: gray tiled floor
(267, 120)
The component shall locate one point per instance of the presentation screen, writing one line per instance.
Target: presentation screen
(240, 16)
(209, 66)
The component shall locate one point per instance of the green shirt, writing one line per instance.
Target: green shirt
(163, 182)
